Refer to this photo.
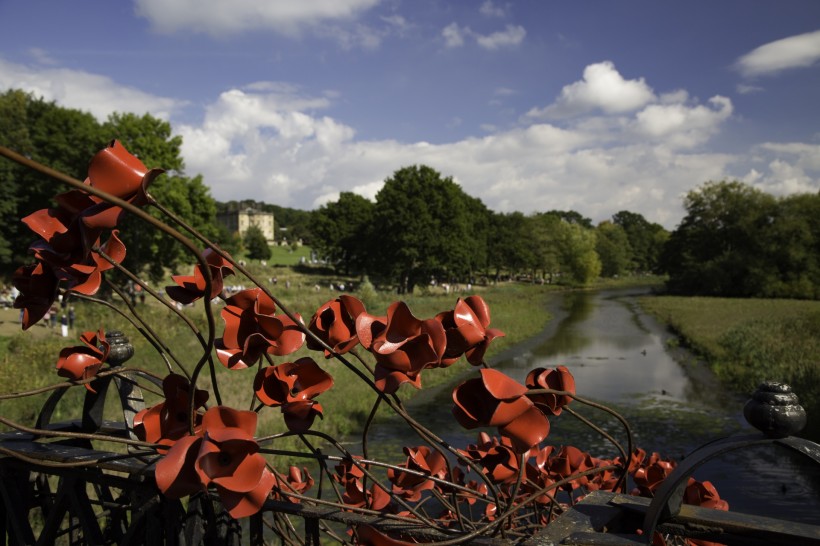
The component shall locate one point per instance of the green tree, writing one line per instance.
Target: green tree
(646, 240)
(612, 246)
(718, 249)
(509, 243)
(340, 231)
(256, 244)
(61, 138)
(544, 231)
(422, 229)
(580, 263)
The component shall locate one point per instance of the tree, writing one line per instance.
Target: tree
(571, 217)
(340, 231)
(422, 229)
(256, 244)
(718, 249)
(580, 263)
(510, 244)
(60, 138)
(613, 248)
(544, 229)
(646, 240)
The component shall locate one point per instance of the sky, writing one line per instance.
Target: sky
(595, 106)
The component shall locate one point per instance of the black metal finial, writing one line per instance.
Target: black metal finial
(120, 348)
(775, 410)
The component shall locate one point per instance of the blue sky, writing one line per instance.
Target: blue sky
(530, 105)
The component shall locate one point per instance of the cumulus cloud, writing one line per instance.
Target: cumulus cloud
(682, 125)
(602, 88)
(271, 143)
(453, 35)
(92, 93)
(488, 9)
(797, 51)
(274, 142)
(218, 18)
(511, 36)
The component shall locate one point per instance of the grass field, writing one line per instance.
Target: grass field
(747, 341)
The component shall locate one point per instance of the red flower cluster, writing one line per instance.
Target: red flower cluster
(292, 386)
(467, 330)
(335, 324)
(351, 477)
(405, 345)
(191, 288)
(168, 421)
(495, 400)
(419, 459)
(402, 344)
(70, 233)
(252, 329)
(224, 454)
(84, 361)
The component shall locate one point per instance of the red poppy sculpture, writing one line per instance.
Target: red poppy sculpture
(116, 171)
(168, 421)
(466, 327)
(496, 400)
(422, 459)
(192, 287)
(292, 386)
(252, 328)
(70, 233)
(402, 344)
(558, 379)
(335, 324)
(224, 455)
(38, 286)
(84, 361)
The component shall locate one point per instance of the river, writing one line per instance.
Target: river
(623, 358)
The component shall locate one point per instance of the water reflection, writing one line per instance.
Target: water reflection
(621, 357)
(615, 353)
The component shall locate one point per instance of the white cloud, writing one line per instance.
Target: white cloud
(454, 35)
(793, 52)
(602, 88)
(273, 142)
(746, 89)
(681, 125)
(92, 93)
(511, 36)
(217, 17)
(41, 56)
(489, 9)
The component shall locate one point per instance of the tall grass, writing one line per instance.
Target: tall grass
(747, 341)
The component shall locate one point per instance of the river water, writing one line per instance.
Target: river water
(624, 359)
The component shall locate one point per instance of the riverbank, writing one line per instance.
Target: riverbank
(746, 341)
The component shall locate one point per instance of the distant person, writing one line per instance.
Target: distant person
(71, 316)
(64, 325)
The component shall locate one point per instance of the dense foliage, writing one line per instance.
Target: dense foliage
(64, 139)
(736, 240)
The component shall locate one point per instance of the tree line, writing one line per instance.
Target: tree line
(734, 240)
(423, 227)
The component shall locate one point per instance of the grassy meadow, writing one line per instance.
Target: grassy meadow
(747, 341)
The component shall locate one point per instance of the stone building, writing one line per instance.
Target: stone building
(240, 221)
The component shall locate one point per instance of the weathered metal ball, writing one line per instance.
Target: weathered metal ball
(775, 410)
